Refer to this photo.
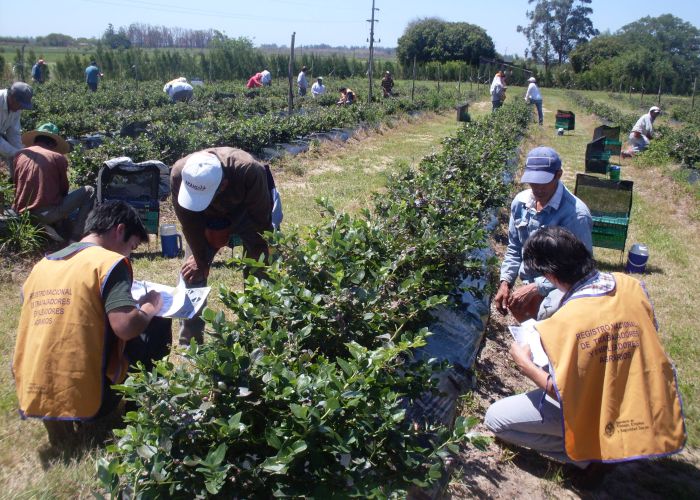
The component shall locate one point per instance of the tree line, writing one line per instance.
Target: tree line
(237, 58)
(650, 54)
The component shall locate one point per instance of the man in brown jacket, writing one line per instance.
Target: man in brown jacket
(218, 192)
(41, 185)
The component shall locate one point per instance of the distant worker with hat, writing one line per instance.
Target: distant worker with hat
(302, 82)
(93, 75)
(533, 96)
(218, 192)
(266, 78)
(547, 203)
(254, 81)
(318, 88)
(12, 101)
(179, 90)
(498, 90)
(387, 84)
(642, 132)
(41, 184)
(39, 71)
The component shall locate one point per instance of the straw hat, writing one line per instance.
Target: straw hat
(48, 130)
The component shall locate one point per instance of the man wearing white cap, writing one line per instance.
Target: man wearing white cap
(533, 96)
(12, 101)
(643, 131)
(546, 203)
(218, 192)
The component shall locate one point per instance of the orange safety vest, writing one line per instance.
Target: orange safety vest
(60, 356)
(616, 386)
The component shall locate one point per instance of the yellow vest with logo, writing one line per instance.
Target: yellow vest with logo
(616, 386)
(60, 358)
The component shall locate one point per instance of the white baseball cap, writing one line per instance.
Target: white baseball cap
(201, 177)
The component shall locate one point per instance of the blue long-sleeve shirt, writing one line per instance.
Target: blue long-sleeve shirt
(563, 209)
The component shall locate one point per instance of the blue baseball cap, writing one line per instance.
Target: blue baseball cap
(541, 165)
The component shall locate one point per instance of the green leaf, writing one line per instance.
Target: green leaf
(217, 456)
(146, 451)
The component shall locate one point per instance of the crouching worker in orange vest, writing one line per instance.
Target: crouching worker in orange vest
(610, 394)
(77, 323)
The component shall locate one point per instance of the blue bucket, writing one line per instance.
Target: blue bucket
(637, 258)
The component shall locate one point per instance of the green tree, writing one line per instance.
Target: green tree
(646, 53)
(432, 39)
(557, 27)
(115, 39)
(55, 40)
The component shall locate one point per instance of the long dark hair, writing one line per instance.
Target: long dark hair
(556, 250)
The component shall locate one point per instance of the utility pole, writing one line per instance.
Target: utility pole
(371, 49)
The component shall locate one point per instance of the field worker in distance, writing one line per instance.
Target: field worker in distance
(179, 90)
(41, 184)
(642, 132)
(609, 393)
(218, 192)
(498, 90)
(387, 84)
(77, 322)
(533, 96)
(546, 203)
(12, 101)
(318, 88)
(92, 76)
(266, 78)
(254, 81)
(347, 96)
(302, 82)
(39, 71)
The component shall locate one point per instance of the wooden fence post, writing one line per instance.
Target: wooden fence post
(413, 88)
(289, 76)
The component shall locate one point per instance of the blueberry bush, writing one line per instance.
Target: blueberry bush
(303, 385)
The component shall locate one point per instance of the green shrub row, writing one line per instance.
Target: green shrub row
(175, 130)
(305, 392)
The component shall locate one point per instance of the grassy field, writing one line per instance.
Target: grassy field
(664, 218)
(348, 174)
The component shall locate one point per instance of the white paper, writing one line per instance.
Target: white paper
(526, 334)
(178, 302)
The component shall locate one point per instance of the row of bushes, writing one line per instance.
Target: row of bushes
(305, 393)
(173, 130)
(681, 144)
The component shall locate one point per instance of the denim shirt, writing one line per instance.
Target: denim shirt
(563, 209)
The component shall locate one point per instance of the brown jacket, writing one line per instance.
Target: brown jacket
(40, 177)
(245, 202)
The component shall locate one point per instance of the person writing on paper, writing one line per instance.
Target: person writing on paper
(77, 320)
(546, 203)
(610, 394)
(218, 192)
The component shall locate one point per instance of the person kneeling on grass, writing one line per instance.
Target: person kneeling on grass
(610, 394)
(642, 132)
(80, 327)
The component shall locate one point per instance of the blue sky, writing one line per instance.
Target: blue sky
(314, 21)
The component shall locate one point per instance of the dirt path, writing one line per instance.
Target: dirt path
(511, 472)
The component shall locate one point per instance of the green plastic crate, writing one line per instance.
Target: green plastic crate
(610, 231)
(613, 147)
